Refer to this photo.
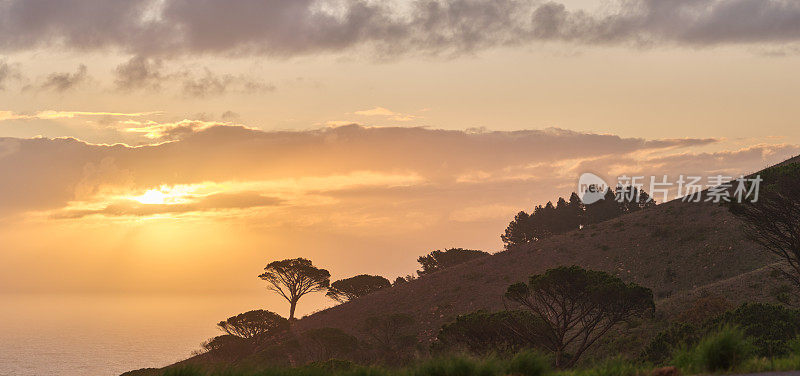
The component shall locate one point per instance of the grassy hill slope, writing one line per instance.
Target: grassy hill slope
(674, 248)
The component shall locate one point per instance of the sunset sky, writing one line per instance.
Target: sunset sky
(178, 146)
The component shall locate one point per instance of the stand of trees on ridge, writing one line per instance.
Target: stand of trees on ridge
(570, 215)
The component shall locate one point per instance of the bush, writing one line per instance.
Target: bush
(326, 343)
(457, 366)
(617, 366)
(665, 343)
(228, 345)
(725, 349)
(528, 363)
(771, 327)
(333, 365)
(485, 333)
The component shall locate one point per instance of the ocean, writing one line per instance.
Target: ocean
(105, 335)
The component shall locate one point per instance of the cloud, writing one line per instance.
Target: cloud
(385, 112)
(211, 84)
(51, 114)
(230, 115)
(49, 173)
(64, 81)
(139, 72)
(169, 131)
(295, 27)
(8, 72)
(214, 202)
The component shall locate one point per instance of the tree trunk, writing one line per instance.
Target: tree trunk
(559, 358)
(292, 306)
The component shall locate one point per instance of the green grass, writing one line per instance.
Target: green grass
(701, 359)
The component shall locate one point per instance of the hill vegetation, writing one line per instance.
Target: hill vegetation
(622, 279)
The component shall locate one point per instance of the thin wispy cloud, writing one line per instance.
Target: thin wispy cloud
(386, 113)
(52, 114)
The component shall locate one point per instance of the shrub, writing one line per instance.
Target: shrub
(228, 345)
(723, 350)
(528, 363)
(665, 343)
(484, 333)
(457, 366)
(770, 327)
(258, 324)
(617, 366)
(438, 259)
(333, 365)
(326, 343)
(391, 336)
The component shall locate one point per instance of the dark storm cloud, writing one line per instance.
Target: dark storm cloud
(292, 27)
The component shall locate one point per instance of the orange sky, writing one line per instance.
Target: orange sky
(146, 154)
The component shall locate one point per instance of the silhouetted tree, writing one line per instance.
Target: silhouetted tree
(773, 220)
(518, 231)
(328, 343)
(293, 278)
(438, 260)
(565, 216)
(392, 335)
(578, 307)
(356, 287)
(254, 324)
(630, 199)
(577, 215)
(228, 345)
(485, 333)
(604, 209)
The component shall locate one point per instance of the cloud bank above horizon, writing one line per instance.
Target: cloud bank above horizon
(213, 196)
(168, 28)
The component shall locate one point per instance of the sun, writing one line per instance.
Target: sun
(152, 197)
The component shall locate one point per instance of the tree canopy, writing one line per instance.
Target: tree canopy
(355, 287)
(578, 306)
(484, 333)
(327, 343)
(438, 259)
(773, 220)
(293, 278)
(391, 335)
(547, 220)
(254, 324)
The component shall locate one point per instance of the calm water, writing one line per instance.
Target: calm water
(99, 335)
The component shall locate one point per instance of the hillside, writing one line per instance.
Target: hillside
(682, 251)
(673, 248)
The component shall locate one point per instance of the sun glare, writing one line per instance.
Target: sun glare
(152, 197)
